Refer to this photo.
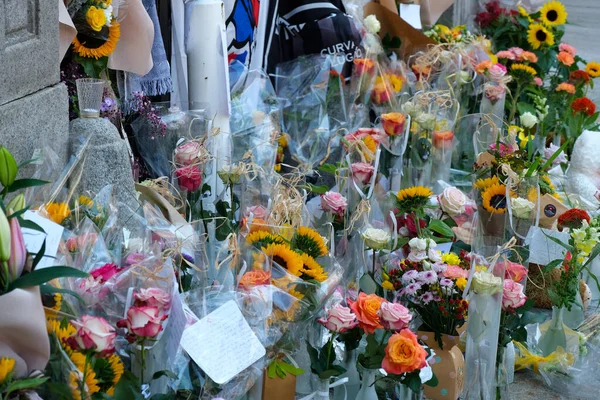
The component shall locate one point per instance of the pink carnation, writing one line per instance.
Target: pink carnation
(455, 272)
(567, 48)
(506, 54)
(538, 81)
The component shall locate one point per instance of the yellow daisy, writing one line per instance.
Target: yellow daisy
(309, 241)
(85, 201)
(6, 368)
(485, 183)
(105, 49)
(539, 35)
(494, 199)
(285, 257)
(313, 269)
(553, 13)
(593, 69)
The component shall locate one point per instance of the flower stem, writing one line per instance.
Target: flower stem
(142, 361)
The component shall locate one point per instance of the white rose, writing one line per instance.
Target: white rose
(230, 174)
(372, 24)
(521, 208)
(528, 120)
(452, 201)
(410, 109)
(486, 283)
(426, 121)
(376, 239)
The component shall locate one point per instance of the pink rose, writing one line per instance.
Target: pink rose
(93, 333)
(259, 212)
(538, 81)
(334, 202)
(512, 296)
(497, 72)
(567, 48)
(452, 201)
(513, 271)
(517, 51)
(153, 297)
(339, 319)
(509, 55)
(455, 272)
(494, 92)
(394, 316)
(105, 272)
(187, 154)
(142, 322)
(189, 178)
(362, 172)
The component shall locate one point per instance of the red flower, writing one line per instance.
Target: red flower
(585, 105)
(580, 75)
(572, 219)
(568, 258)
(189, 178)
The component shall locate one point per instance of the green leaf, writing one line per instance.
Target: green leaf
(40, 254)
(164, 372)
(593, 276)
(413, 382)
(551, 265)
(24, 384)
(557, 241)
(367, 284)
(433, 382)
(280, 373)
(318, 189)
(25, 183)
(17, 214)
(27, 162)
(25, 223)
(328, 168)
(49, 289)
(44, 275)
(128, 388)
(315, 366)
(289, 368)
(222, 208)
(335, 370)
(271, 369)
(440, 227)
(556, 154)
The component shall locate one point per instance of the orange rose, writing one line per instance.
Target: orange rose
(483, 66)
(366, 309)
(565, 58)
(362, 65)
(393, 123)
(403, 353)
(255, 278)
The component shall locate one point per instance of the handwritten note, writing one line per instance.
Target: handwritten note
(222, 343)
(34, 239)
(542, 250)
(177, 322)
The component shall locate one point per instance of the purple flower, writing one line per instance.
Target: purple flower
(410, 276)
(446, 282)
(427, 277)
(427, 297)
(107, 104)
(188, 257)
(439, 267)
(411, 289)
(437, 298)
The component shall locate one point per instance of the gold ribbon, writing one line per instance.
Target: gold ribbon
(526, 358)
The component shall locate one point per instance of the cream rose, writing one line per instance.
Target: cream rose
(376, 239)
(486, 283)
(452, 201)
(521, 208)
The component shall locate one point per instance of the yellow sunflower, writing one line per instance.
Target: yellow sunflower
(117, 368)
(6, 368)
(55, 327)
(494, 199)
(525, 68)
(539, 35)
(309, 241)
(593, 69)
(282, 140)
(57, 212)
(263, 238)
(313, 269)
(523, 12)
(485, 183)
(285, 257)
(91, 383)
(412, 198)
(54, 305)
(553, 13)
(105, 49)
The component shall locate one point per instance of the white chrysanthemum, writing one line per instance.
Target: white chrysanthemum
(372, 24)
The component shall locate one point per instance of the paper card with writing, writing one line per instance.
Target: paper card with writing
(34, 239)
(542, 250)
(411, 13)
(222, 343)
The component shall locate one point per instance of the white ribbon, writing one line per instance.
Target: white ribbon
(337, 383)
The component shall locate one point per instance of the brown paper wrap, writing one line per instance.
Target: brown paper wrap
(23, 334)
(449, 367)
(412, 39)
(279, 389)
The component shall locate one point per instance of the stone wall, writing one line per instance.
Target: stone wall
(33, 103)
